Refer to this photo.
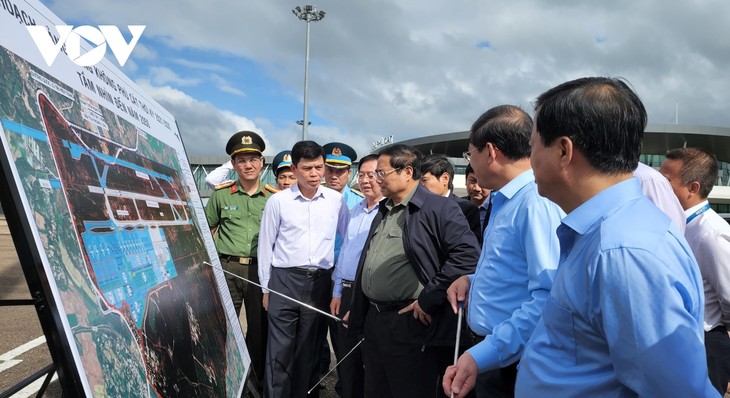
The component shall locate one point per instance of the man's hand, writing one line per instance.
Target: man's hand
(462, 377)
(458, 291)
(265, 301)
(418, 313)
(335, 305)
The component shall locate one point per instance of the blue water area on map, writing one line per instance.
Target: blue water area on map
(55, 184)
(77, 150)
(128, 263)
(25, 130)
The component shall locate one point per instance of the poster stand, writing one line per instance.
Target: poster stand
(32, 269)
(48, 371)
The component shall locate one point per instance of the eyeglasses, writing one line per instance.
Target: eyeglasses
(467, 154)
(382, 174)
(370, 175)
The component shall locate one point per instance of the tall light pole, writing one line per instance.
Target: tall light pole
(308, 14)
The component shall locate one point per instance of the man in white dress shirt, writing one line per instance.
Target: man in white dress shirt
(295, 252)
(655, 187)
(692, 173)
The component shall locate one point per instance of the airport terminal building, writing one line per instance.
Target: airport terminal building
(658, 139)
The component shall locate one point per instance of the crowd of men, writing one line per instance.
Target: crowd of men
(581, 271)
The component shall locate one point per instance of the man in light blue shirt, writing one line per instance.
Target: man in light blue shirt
(518, 259)
(624, 316)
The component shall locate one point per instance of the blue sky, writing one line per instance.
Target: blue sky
(408, 68)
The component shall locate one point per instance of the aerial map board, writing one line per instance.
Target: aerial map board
(109, 227)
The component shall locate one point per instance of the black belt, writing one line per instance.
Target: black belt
(718, 329)
(236, 259)
(347, 284)
(309, 273)
(383, 306)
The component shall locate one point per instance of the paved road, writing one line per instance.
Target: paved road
(23, 350)
(22, 346)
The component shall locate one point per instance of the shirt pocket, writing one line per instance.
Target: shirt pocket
(560, 330)
(228, 214)
(395, 233)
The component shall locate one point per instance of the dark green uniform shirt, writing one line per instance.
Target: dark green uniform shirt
(238, 218)
(388, 274)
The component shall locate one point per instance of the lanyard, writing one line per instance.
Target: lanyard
(698, 212)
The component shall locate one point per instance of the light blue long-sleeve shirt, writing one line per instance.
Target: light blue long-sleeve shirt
(514, 273)
(352, 199)
(624, 317)
(357, 233)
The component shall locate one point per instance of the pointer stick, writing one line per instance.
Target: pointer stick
(458, 335)
(277, 293)
(336, 365)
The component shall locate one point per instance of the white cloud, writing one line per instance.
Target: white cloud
(161, 75)
(226, 86)
(413, 68)
(204, 128)
(206, 66)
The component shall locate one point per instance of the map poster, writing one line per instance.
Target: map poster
(109, 227)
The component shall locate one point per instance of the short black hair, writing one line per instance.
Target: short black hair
(369, 158)
(306, 150)
(468, 170)
(438, 164)
(603, 117)
(507, 127)
(402, 156)
(697, 165)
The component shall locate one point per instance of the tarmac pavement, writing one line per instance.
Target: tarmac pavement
(22, 345)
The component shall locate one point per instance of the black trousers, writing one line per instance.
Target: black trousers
(717, 346)
(257, 321)
(497, 383)
(322, 349)
(292, 331)
(351, 370)
(444, 357)
(396, 363)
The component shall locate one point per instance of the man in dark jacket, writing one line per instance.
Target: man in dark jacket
(418, 244)
(437, 175)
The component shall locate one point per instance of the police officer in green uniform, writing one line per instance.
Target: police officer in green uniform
(234, 215)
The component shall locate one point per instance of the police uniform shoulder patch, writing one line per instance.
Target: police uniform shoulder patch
(356, 192)
(271, 189)
(224, 184)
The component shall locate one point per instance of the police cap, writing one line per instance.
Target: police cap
(245, 142)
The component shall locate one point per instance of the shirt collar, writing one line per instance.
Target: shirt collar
(603, 205)
(694, 208)
(239, 189)
(297, 193)
(389, 203)
(517, 183)
(489, 200)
